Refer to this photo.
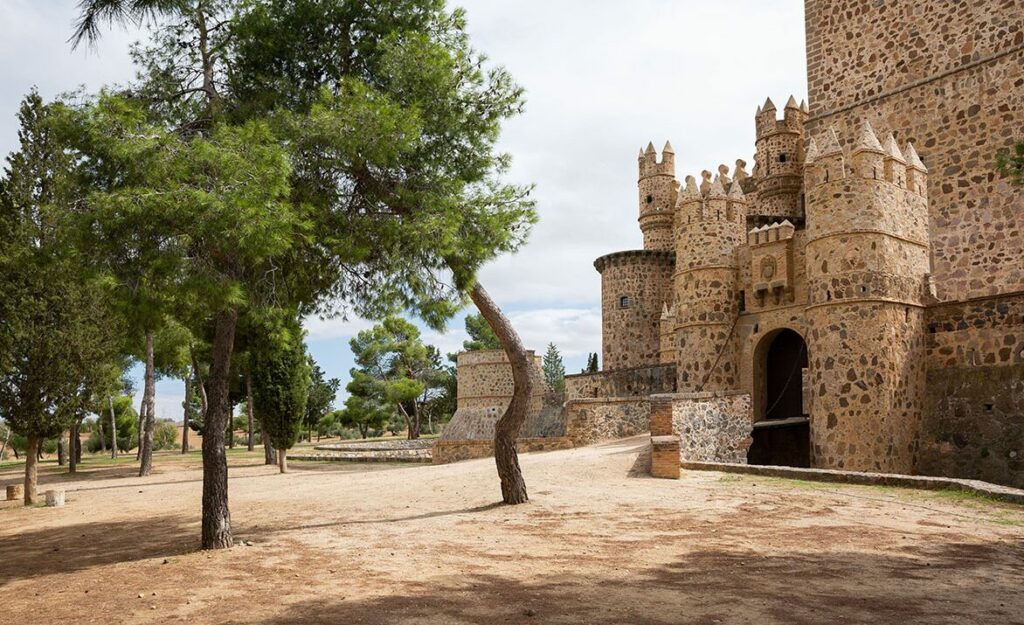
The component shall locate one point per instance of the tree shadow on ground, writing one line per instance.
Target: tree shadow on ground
(264, 531)
(949, 583)
(81, 546)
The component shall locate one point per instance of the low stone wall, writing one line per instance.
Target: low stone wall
(712, 427)
(446, 451)
(635, 382)
(589, 421)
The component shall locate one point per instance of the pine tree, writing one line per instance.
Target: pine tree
(481, 336)
(281, 378)
(554, 368)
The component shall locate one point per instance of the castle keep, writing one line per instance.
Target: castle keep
(856, 300)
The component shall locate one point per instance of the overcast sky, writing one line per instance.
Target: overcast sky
(602, 77)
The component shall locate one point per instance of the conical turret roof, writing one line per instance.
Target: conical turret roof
(868, 140)
(913, 160)
(892, 150)
(830, 145)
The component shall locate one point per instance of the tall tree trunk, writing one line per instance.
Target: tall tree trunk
(74, 442)
(188, 407)
(216, 516)
(113, 429)
(513, 488)
(103, 433)
(248, 407)
(62, 452)
(282, 460)
(146, 443)
(269, 454)
(142, 424)
(31, 470)
(7, 439)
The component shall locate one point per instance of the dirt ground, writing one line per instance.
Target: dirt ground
(337, 543)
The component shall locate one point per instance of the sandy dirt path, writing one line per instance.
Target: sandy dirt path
(427, 544)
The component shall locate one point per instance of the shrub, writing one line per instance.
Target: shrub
(165, 435)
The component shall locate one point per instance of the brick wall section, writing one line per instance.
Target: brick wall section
(948, 76)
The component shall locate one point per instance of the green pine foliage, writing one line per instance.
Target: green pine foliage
(59, 340)
(280, 378)
(554, 368)
(481, 336)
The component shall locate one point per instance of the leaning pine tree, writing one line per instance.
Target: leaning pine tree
(263, 160)
(280, 384)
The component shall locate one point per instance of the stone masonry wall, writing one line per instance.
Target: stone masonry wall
(635, 286)
(591, 421)
(713, 427)
(485, 391)
(974, 413)
(948, 76)
(635, 382)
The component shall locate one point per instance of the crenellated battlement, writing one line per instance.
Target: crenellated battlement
(770, 233)
(649, 164)
(711, 202)
(868, 159)
(793, 118)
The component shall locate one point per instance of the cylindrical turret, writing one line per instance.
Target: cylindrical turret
(657, 185)
(708, 231)
(867, 262)
(778, 172)
(635, 286)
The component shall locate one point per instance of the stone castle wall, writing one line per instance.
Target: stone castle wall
(974, 413)
(635, 286)
(948, 76)
(484, 393)
(613, 404)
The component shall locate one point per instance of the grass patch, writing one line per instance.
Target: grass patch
(966, 495)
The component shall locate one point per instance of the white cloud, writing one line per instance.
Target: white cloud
(602, 78)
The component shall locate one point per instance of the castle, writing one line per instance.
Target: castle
(842, 305)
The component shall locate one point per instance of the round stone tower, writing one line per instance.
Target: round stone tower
(867, 265)
(778, 173)
(657, 185)
(709, 228)
(635, 286)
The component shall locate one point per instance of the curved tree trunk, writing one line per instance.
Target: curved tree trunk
(216, 516)
(513, 488)
(146, 442)
(31, 470)
(184, 419)
(113, 428)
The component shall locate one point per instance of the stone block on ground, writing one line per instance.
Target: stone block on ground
(54, 498)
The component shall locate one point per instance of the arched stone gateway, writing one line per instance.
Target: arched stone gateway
(781, 412)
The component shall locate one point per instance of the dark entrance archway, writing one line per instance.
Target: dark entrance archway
(781, 425)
